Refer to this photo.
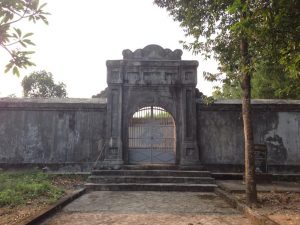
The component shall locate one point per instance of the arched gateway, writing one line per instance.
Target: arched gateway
(151, 136)
(149, 90)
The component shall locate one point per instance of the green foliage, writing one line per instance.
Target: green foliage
(40, 84)
(231, 90)
(203, 98)
(241, 34)
(274, 81)
(12, 39)
(268, 82)
(271, 29)
(20, 187)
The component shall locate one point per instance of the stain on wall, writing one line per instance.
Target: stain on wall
(277, 152)
(47, 133)
(72, 131)
(220, 132)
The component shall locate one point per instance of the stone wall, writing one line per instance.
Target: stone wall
(276, 123)
(67, 134)
(59, 133)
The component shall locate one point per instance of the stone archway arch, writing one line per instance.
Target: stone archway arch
(134, 106)
(151, 137)
(151, 76)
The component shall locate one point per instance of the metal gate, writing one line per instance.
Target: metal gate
(152, 136)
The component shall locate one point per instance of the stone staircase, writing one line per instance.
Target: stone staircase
(151, 178)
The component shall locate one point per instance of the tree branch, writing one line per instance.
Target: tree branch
(13, 11)
(10, 53)
(11, 43)
(21, 17)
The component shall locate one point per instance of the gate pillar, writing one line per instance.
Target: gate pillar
(151, 76)
(113, 150)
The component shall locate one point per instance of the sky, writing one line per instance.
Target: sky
(82, 35)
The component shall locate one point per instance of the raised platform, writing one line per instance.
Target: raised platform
(137, 178)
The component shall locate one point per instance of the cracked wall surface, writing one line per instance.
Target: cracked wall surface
(68, 134)
(49, 132)
(276, 123)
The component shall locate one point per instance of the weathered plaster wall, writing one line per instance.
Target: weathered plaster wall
(65, 133)
(275, 123)
(68, 134)
(152, 76)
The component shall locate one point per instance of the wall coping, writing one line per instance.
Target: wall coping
(278, 105)
(259, 101)
(101, 103)
(53, 103)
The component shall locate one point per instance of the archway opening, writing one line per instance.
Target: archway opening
(152, 137)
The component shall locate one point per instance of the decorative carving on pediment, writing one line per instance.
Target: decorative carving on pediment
(170, 77)
(114, 77)
(153, 52)
(152, 77)
(132, 77)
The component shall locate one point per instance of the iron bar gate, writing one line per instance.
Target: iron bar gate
(152, 136)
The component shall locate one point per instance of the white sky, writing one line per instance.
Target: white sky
(82, 35)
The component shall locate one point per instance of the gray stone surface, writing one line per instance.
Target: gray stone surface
(69, 133)
(41, 131)
(220, 133)
(151, 76)
(148, 208)
(260, 101)
(276, 186)
(152, 52)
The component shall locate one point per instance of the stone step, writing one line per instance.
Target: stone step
(162, 167)
(174, 173)
(151, 187)
(150, 179)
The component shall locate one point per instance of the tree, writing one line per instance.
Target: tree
(268, 82)
(40, 84)
(241, 33)
(12, 40)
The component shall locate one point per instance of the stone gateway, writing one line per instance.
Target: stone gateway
(151, 116)
(151, 77)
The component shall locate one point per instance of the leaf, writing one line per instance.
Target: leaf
(31, 64)
(234, 7)
(27, 35)
(14, 35)
(44, 19)
(35, 4)
(28, 52)
(19, 32)
(11, 13)
(16, 71)
(42, 6)
(23, 44)
(27, 41)
(8, 67)
(6, 18)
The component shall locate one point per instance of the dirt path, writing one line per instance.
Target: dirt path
(133, 208)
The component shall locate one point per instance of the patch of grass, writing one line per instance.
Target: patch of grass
(21, 187)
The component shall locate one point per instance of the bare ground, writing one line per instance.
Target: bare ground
(283, 207)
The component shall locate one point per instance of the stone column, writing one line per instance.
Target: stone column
(113, 150)
(189, 151)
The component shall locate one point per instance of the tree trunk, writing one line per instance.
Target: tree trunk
(251, 194)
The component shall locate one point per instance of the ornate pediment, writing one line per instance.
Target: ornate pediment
(152, 52)
(152, 65)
